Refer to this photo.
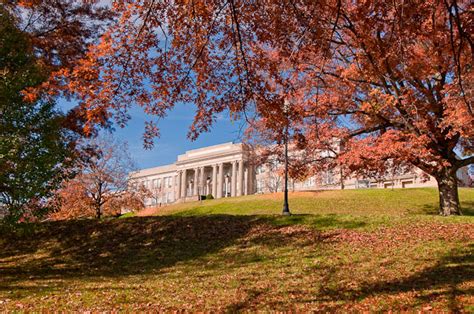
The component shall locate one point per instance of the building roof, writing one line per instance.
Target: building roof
(153, 171)
(199, 155)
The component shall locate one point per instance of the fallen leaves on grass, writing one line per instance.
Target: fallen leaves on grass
(232, 263)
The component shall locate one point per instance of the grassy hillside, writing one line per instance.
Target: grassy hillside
(332, 209)
(358, 250)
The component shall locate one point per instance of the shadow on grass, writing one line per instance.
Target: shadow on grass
(443, 280)
(114, 248)
(321, 222)
(119, 247)
(88, 250)
(329, 221)
(467, 208)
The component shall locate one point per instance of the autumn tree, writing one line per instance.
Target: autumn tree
(400, 74)
(103, 178)
(36, 149)
(73, 200)
(393, 89)
(392, 81)
(59, 33)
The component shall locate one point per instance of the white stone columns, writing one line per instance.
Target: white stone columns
(239, 181)
(214, 180)
(195, 181)
(202, 182)
(227, 186)
(246, 181)
(233, 182)
(177, 186)
(220, 181)
(183, 183)
(251, 179)
(240, 178)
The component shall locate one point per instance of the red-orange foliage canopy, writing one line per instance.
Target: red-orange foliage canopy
(60, 33)
(390, 79)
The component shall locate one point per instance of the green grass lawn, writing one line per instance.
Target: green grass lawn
(342, 250)
(349, 209)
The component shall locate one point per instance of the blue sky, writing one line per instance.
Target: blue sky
(173, 129)
(173, 140)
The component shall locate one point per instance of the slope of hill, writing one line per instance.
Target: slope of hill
(357, 250)
(347, 208)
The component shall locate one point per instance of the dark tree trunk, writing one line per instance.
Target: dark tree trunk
(98, 210)
(448, 193)
(342, 179)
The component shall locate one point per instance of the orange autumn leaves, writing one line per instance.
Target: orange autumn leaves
(60, 34)
(390, 80)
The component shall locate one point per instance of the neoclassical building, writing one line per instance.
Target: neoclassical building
(228, 170)
(221, 170)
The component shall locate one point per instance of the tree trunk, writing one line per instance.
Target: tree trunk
(448, 193)
(341, 179)
(98, 210)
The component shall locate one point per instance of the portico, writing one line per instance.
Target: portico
(220, 170)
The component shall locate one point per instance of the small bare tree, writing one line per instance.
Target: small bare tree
(105, 174)
(156, 194)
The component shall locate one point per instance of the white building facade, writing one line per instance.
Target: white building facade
(223, 170)
(229, 170)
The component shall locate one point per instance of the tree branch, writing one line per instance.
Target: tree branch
(465, 162)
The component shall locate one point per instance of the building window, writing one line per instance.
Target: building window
(407, 184)
(328, 177)
(362, 184)
(259, 186)
(310, 182)
(168, 198)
